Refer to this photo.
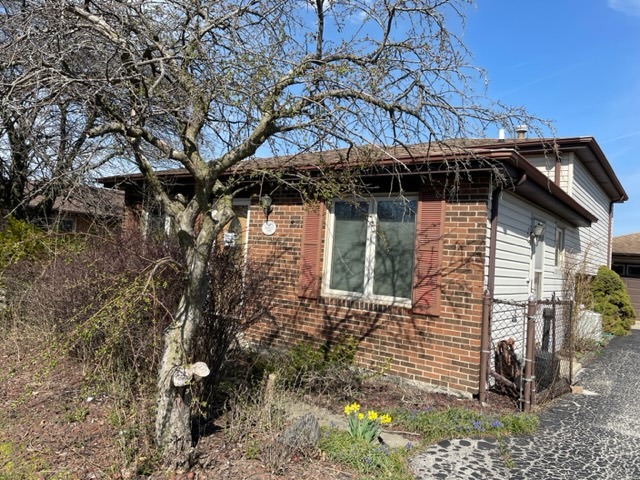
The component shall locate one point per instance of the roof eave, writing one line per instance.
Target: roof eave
(537, 188)
(589, 152)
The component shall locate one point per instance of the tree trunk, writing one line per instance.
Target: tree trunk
(173, 425)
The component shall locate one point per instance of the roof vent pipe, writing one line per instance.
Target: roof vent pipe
(521, 131)
(501, 134)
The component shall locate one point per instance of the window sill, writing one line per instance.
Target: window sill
(397, 307)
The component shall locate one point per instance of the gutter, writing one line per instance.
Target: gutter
(540, 190)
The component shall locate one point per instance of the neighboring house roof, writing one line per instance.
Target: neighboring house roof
(86, 200)
(627, 244)
(527, 180)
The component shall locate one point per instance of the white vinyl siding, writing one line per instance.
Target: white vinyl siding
(594, 240)
(514, 269)
(547, 165)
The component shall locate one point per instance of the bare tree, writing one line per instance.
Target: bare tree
(209, 84)
(45, 147)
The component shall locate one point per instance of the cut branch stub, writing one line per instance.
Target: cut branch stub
(183, 375)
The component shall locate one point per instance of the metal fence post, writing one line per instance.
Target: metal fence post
(484, 346)
(572, 340)
(529, 361)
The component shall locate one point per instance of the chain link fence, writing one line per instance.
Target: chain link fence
(532, 349)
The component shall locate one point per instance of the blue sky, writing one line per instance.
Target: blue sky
(576, 63)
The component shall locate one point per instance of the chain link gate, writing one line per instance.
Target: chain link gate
(529, 349)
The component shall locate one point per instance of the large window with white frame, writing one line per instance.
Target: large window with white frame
(370, 251)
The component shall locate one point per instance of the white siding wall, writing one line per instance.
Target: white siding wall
(587, 248)
(513, 252)
(547, 165)
(593, 241)
(514, 265)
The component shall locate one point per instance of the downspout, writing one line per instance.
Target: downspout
(485, 334)
(493, 240)
(557, 171)
(610, 246)
(609, 239)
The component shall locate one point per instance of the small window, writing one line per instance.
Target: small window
(559, 255)
(372, 248)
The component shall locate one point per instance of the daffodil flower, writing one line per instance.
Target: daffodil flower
(385, 419)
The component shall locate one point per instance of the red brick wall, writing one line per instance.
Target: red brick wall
(443, 351)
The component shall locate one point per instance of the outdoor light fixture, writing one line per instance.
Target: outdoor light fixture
(537, 231)
(265, 203)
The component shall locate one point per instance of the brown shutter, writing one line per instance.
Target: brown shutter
(310, 253)
(428, 268)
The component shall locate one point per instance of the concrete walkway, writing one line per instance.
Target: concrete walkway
(593, 435)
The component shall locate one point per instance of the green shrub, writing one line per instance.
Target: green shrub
(20, 240)
(610, 298)
(320, 368)
(106, 303)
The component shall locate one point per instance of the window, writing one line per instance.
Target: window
(559, 256)
(155, 225)
(371, 248)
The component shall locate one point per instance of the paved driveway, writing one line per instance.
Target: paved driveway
(594, 435)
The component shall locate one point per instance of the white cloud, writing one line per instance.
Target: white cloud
(628, 7)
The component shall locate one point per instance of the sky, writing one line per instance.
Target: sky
(575, 63)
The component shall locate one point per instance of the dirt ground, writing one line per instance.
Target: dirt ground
(53, 427)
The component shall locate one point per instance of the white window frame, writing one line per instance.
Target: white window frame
(537, 249)
(370, 251)
(167, 224)
(559, 246)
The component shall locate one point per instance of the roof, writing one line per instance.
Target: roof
(529, 182)
(86, 200)
(627, 244)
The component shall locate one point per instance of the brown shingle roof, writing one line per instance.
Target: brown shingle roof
(586, 148)
(627, 244)
(98, 202)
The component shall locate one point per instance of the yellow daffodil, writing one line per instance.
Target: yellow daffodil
(372, 415)
(360, 416)
(354, 407)
(385, 419)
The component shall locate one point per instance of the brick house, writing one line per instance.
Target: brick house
(404, 274)
(84, 209)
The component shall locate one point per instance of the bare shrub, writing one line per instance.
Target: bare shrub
(105, 302)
